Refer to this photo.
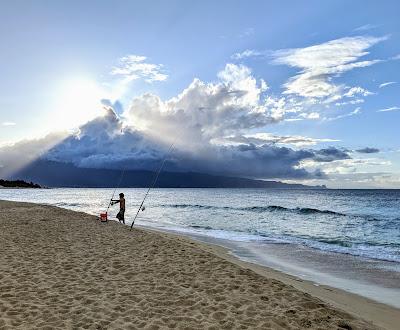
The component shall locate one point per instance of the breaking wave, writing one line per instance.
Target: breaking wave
(258, 209)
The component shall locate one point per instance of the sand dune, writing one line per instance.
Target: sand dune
(65, 270)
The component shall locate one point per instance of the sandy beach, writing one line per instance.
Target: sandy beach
(61, 269)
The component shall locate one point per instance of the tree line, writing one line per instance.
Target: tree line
(18, 183)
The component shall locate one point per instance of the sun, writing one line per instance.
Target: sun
(78, 101)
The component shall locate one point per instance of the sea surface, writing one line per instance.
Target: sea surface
(357, 222)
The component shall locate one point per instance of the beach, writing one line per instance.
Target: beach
(61, 269)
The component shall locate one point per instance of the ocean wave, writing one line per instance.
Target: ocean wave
(201, 227)
(63, 204)
(307, 210)
(258, 209)
(378, 252)
(384, 252)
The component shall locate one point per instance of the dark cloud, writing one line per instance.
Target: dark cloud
(330, 154)
(368, 150)
(249, 161)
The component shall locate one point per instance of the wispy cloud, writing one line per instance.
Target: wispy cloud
(246, 33)
(293, 119)
(387, 84)
(248, 53)
(397, 57)
(365, 27)
(318, 84)
(310, 115)
(321, 63)
(344, 165)
(350, 114)
(389, 109)
(133, 67)
(268, 138)
(8, 123)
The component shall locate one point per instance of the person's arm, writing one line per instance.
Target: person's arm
(114, 201)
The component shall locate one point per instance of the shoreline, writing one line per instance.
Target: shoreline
(376, 280)
(381, 315)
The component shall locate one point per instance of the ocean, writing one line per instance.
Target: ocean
(360, 224)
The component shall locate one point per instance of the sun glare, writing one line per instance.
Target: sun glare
(79, 100)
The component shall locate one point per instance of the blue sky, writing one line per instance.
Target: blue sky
(323, 70)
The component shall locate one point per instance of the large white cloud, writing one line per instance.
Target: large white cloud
(205, 111)
(320, 64)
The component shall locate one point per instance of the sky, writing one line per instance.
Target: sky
(298, 91)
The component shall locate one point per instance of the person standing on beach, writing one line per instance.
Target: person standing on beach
(121, 213)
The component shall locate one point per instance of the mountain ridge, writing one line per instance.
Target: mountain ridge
(57, 174)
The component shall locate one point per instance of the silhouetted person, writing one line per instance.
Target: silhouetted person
(121, 213)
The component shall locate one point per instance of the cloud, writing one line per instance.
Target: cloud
(133, 67)
(197, 119)
(350, 114)
(293, 119)
(268, 138)
(366, 180)
(212, 123)
(355, 101)
(330, 154)
(247, 33)
(339, 167)
(248, 53)
(396, 57)
(14, 156)
(387, 84)
(8, 123)
(321, 63)
(311, 115)
(368, 150)
(389, 109)
(233, 104)
(317, 86)
(365, 27)
(105, 142)
(353, 91)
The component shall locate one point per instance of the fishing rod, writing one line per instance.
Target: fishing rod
(117, 186)
(154, 182)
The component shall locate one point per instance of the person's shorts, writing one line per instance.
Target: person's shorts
(121, 214)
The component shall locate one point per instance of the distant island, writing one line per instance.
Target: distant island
(57, 174)
(18, 184)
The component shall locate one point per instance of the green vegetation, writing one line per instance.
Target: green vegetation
(18, 183)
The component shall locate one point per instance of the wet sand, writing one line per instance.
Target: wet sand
(61, 269)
